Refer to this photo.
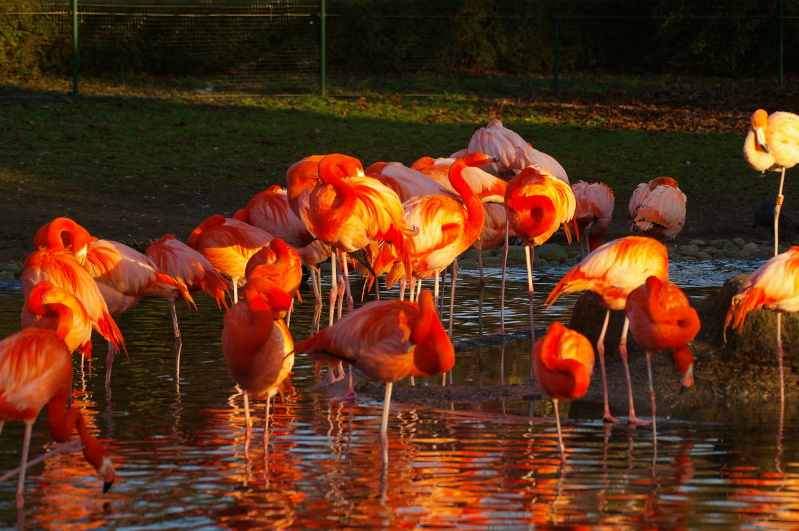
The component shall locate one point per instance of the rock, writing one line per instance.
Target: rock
(551, 252)
(588, 316)
(756, 342)
(764, 217)
(6, 275)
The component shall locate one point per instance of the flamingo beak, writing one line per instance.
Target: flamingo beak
(687, 379)
(108, 473)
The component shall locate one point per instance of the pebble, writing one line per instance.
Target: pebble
(554, 254)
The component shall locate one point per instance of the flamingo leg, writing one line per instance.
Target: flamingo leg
(600, 349)
(777, 208)
(632, 419)
(26, 444)
(333, 285)
(247, 423)
(350, 393)
(529, 260)
(561, 446)
(266, 423)
(780, 360)
(178, 340)
(505, 249)
(654, 405)
(235, 282)
(384, 422)
(482, 287)
(452, 296)
(348, 290)
(109, 361)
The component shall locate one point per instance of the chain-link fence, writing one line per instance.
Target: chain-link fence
(256, 46)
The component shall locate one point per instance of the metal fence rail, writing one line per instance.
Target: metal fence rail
(259, 46)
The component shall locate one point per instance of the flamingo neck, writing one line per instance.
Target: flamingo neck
(685, 318)
(475, 214)
(62, 421)
(434, 353)
(684, 361)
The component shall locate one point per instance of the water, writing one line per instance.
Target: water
(178, 445)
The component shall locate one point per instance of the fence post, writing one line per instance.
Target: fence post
(322, 45)
(556, 39)
(74, 47)
(782, 38)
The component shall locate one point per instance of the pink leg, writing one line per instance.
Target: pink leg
(632, 419)
(600, 348)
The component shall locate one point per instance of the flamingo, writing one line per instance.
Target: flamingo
(349, 210)
(37, 312)
(488, 187)
(123, 274)
(387, 341)
(258, 347)
(446, 227)
(36, 370)
(611, 272)
(594, 211)
(774, 286)
(512, 151)
(190, 267)
(658, 208)
(661, 318)
(228, 243)
(772, 144)
(537, 204)
(563, 361)
(281, 264)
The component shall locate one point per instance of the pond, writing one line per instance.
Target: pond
(178, 443)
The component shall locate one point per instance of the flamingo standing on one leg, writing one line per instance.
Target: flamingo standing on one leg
(661, 318)
(611, 272)
(228, 243)
(257, 345)
(774, 286)
(537, 204)
(658, 208)
(36, 370)
(563, 361)
(388, 341)
(190, 267)
(772, 143)
(594, 212)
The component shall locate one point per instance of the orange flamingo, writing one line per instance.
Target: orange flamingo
(563, 361)
(350, 210)
(774, 286)
(228, 243)
(513, 153)
(190, 267)
(36, 370)
(661, 318)
(658, 208)
(488, 187)
(594, 212)
(387, 341)
(279, 263)
(37, 312)
(611, 272)
(772, 144)
(123, 274)
(537, 204)
(257, 345)
(446, 227)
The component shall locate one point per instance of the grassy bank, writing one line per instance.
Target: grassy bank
(133, 167)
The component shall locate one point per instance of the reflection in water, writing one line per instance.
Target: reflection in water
(178, 447)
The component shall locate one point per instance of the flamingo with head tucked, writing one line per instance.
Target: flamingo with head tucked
(537, 204)
(658, 208)
(594, 212)
(563, 360)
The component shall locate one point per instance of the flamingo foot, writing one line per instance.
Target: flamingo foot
(349, 395)
(635, 421)
(610, 419)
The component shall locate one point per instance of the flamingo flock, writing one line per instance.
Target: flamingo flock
(404, 223)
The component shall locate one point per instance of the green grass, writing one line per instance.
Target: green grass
(105, 156)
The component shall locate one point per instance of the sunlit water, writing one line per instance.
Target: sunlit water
(178, 446)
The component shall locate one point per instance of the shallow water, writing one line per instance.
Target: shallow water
(178, 444)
